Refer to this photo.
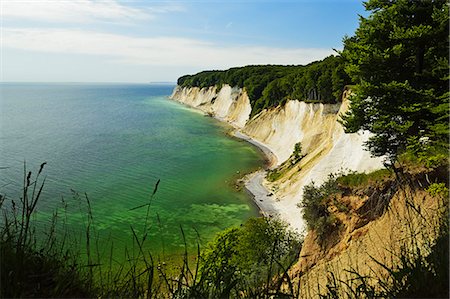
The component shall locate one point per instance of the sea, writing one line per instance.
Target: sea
(123, 158)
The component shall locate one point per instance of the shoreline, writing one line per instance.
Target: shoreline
(263, 198)
(254, 182)
(268, 153)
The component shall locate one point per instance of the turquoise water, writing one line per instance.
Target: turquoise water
(114, 142)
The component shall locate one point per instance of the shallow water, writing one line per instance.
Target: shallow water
(114, 142)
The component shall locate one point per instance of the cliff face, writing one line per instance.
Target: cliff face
(228, 104)
(369, 243)
(325, 147)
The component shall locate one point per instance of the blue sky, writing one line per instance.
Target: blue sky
(148, 41)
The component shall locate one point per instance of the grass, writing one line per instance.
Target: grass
(59, 265)
(419, 267)
(277, 173)
(251, 261)
(364, 179)
(274, 175)
(32, 267)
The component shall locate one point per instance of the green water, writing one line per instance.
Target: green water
(114, 142)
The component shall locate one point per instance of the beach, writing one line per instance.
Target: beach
(254, 182)
(268, 203)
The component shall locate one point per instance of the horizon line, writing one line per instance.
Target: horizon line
(88, 82)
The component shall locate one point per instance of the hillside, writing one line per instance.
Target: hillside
(367, 223)
(314, 127)
(369, 234)
(380, 236)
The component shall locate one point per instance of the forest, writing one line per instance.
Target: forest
(272, 85)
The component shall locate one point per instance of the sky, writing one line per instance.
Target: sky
(158, 41)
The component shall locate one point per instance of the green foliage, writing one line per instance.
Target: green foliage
(297, 154)
(272, 85)
(356, 179)
(423, 152)
(398, 59)
(274, 175)
(315, 207)
(244, 258)
(438, 189)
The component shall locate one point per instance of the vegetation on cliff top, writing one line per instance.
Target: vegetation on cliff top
(398, 59)
(272, 85)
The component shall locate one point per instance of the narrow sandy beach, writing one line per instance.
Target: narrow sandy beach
(254, 182)
(271, 157)
(261, 196)
(267, 202)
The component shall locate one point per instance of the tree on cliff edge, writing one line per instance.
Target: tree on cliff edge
(398, 59)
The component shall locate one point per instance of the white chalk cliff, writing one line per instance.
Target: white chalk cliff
(327, 148)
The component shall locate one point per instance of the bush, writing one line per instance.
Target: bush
(424, 152)
(244, 260)
(355, 179)
(248, 261)
(297, 154)
(315, 207)
(438, 189)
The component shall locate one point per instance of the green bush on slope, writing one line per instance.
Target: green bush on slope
(249, 256)
(315, 207)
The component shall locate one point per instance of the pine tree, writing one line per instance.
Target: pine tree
(398, 59)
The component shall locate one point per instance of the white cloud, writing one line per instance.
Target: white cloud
(156, 51)
(78, 11)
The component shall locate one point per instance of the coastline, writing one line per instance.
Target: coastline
(263, 198)
(272, 158)
(254, 182)
(330, 150)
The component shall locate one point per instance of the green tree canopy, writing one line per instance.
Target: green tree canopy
(272, 85)
(398, 59)
(248, 255)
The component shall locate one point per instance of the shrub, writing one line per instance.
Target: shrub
(315, 207)
(297, 154)
(355, 179)
(438, 189)
(245, 259)
(424, 152)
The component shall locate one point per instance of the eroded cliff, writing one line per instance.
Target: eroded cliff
(325, 147)
(383, 231)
